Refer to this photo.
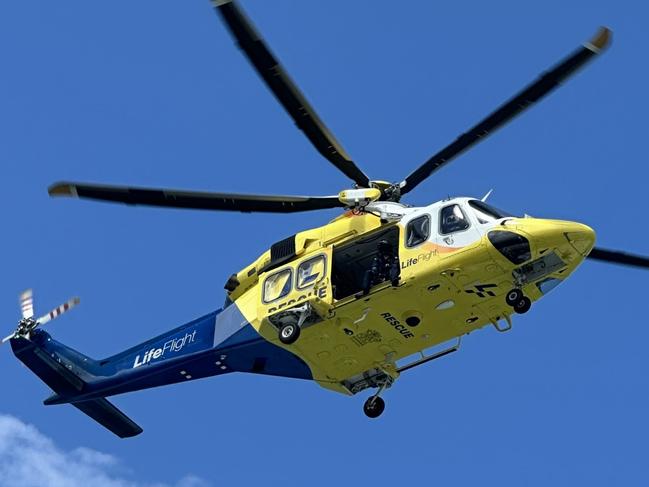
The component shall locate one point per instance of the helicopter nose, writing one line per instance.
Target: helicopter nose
(566, 236)
(580, 236)
(572, 240)
(531, 238)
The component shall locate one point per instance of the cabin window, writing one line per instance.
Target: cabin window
(278, 285)
(311, 271)
(417, 231)
(452, 219)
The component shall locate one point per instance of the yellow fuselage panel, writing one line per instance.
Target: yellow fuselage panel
(444, 292)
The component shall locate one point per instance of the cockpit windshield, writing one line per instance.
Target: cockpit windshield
(487, 213)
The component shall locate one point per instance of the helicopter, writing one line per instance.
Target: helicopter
(351, 304)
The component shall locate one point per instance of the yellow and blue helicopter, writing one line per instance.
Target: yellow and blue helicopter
(351, 304)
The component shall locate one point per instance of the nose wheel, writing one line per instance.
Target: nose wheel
(523, 306)
(514, 297)
(517, 300)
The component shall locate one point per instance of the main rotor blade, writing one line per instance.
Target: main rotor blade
(546, 83)
(245, 203)
(617, 257)
(269, 68)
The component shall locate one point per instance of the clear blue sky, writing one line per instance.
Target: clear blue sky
(155, 93)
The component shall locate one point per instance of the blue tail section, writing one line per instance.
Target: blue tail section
(214, 344)
(53, 371)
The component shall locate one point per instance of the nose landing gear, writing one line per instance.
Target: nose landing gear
(523, 306)
(517, 300)
(513, 297)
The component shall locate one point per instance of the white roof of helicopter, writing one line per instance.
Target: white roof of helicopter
(393, 208)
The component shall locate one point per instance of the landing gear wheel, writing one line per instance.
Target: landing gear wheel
(289, 333)
(514, 297)
(523, 306)
(373, 407)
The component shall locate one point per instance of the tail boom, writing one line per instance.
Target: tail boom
(217, 343)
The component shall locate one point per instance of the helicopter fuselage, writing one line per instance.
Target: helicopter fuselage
(350, 304)
(458, 260)
(445, 270)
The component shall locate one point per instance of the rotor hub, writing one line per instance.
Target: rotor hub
(389, 191)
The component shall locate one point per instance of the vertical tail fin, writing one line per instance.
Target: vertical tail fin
(71, 382)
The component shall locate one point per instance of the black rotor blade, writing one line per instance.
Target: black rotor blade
(617, 257)
(285, 90)
(245, 203)
(547, 82)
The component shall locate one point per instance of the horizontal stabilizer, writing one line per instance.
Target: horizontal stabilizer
(111, 418)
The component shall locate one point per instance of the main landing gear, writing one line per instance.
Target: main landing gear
(289, 329)
(517, 300)
(289, 333)
(375, 405)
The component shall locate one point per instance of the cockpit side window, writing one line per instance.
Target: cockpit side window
(277, 285)
(417, 231)
(452, 219)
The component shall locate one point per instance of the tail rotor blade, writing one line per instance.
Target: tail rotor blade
(28, 324)
(58, 311)
(6, 339)
(27, 304)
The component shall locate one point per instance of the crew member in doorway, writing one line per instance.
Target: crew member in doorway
(385, 266)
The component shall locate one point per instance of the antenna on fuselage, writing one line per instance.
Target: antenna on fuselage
(484, 198)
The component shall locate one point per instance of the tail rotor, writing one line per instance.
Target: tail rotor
(28, 324)
(27, 304)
